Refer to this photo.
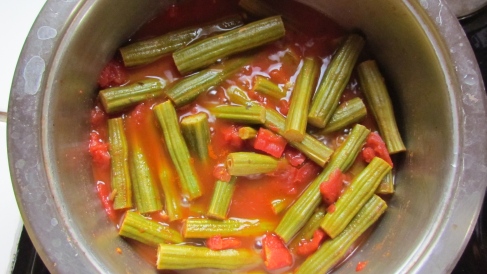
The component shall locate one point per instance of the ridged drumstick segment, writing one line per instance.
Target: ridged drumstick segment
(209, 50)
(336, 77)
(309, 228)
(348, 113)
(147, 51)
(240, 114)
(172, 195)
(178, 150)
(299, 213)
(221, 199)
(380, 103)
(146, 231)
(239, 96)
(265, 86)
(196, 132)
(295, 127)
(334, 250)
(246, 133)
(120, 98)
(120, 183)
(187, 89)
(191, 257)
(355, 196)
(250, 163)
(146, 193)
(205, 228)
(310, 146)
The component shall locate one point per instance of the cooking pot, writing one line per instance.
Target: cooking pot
(435, 84)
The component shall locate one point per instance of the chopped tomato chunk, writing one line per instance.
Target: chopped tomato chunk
(112, 75)
(270, 143)
(306, 248)
(275, 253)
(307, 172)
(221, 173)
(104, 194)
(294, 156)
(283, 107)
(278, 76)
(99, 150)
(98, 117)
(230, 135)
(219, 243)
(331, 189)
(375, 147)
(361, 266)
(331, 208)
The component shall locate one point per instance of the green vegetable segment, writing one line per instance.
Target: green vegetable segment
(267, 87)
(146, 51)
(120, 98)
(221, 199)
(205, 228)
(172, 196)
(186, 90)
(346, 114)
(189, 257)
(240, 114)
(295, 127)
(306, 233)
(249, 163)
(168, 119)
(334, 250)
(299, 213)
(246, 133)
(310, 146)
(355, 196)
(196, 132)
(146, 193)
(120, 171)
(139, 228)
(209, 50)
(239, 97)
(379, 101)
(336, 77)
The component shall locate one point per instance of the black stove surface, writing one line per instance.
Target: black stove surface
(474, 258)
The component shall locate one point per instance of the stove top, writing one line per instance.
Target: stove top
(473, 260)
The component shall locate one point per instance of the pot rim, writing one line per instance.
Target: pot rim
(50, 229)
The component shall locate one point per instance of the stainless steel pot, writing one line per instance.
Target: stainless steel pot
(437, 91)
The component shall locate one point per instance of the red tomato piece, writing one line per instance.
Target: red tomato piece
(221, 173)
(218, 243)
(283, 107)
(278, 76)
(361, 266)
(98, 117)
(331, 208)
(104, 195)
(256, 96)
(99, 150)
(306, 248)
(275, 253)
(230, 135)
(307, 172)
(375, 147)
(331, 189)
(270, 143)
(112, 75)
(294, 156)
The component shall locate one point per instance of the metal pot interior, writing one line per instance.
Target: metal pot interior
(397, 36)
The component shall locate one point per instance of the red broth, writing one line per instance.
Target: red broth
(254, 196)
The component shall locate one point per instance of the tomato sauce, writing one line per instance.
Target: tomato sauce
(279, 61)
